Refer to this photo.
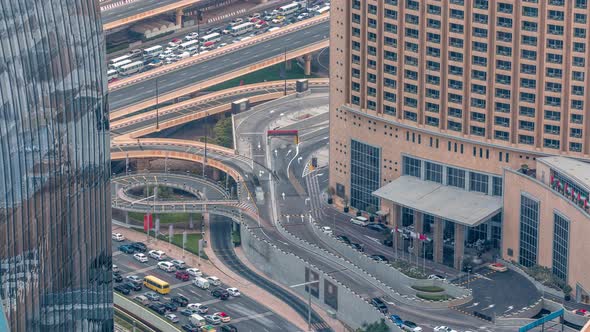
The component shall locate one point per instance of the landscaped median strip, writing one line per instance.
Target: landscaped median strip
(135, 308)
(220, 51)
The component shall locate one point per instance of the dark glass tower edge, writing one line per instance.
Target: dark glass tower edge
(55, 217)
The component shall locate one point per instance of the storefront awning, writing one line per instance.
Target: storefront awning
(450, 203)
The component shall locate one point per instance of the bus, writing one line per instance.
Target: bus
(112, 74)
(157, 285)
(120, 64)
(131, 68)
(323, 10)
(152, 52)
(189, 44)
(242, 28)
(288, 9)
(119, 59)
(213, 37)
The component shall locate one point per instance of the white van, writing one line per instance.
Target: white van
(157, 254)
(197, 320)
(141, 299)
(201, 283)
(166, 266)
(361, 221)
(214, 281)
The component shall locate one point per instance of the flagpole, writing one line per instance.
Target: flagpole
(423, 258)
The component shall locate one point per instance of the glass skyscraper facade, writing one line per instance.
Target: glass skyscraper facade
(529, 230)
(55, 217)
(364, 175)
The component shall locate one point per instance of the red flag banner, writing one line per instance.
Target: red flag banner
(145, 222)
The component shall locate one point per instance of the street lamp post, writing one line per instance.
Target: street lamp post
(157, 107)
(308, 300)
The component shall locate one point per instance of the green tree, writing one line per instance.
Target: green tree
(223, 132)
(379, 326)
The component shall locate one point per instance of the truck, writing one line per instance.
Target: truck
(197, 320)
(201, 283)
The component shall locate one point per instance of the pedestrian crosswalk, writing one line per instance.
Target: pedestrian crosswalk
(315, 196)
(225, 16)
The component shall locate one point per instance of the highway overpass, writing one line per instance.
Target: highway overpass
(217, 69)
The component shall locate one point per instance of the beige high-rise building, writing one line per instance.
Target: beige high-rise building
(431, 100)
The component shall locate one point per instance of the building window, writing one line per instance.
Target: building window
(364, 175)
(456, 177)
(529, 231)
(412, 167)
(434, 172)
(560, 246)
(497, 186)
(478, 182)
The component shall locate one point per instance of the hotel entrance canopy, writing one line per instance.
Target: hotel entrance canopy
(457, 205)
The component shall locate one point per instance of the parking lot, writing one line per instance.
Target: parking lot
(246, 314)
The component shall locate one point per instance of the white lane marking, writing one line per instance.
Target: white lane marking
(256, 316)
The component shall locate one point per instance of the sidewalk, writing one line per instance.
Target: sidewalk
(214, 267)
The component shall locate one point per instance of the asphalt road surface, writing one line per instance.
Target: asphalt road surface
(246, 314)
(245, 57)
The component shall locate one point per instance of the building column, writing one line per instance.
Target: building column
(216, 174)
(437, 241)
(419, 228)
(289, 65)
(459, 245)
(467, 180)
(179, 17)
(307, 58)
(489, 230)
(396, 221)
(191, 225)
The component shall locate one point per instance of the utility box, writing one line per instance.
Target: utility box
(302, 85)
(240, 105)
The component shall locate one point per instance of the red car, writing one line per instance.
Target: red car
(254, 19)
(182, 275)
(176, 41)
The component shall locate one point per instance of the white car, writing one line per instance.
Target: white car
(436, 277)
(498, 267)
(194, 272)
(443, 328)
(302, 16)
(233, 291)
(135, 279)
(172, 317)
(118, 237)
(157, 254)
(327, 230)
(140, 257)
(115, 268)
(201, 308)
(214, 280)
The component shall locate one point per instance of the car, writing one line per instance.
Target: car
(132, 286)
(157, 307)
(213, 320)
(135, 53)
(498, 267)
(229, 328)
(115, 268)
(200, 308)
(388, 243)
(443, 328)
(180, 265)
(117, 277)
(213, 280)
(379, 258)
(220, 293)
(437, 277)
(180, 300)
(139, 246)
(411, 326)
(140, 257)
(122, 289)
(343, 238)
(225, 318)
(377, 227)
(581, 312)
(152, 296)
(254, 15)
(157, 254)
(190, 328)
(141, 299)
(238, 20)
(302, 16)
(233, 291)
(468, 268)
(326, 230)
(379, 304)
(170, 306)
(176, 41)
(172, 317)
(187, 312)
(182, 275)
(357, 246)
(193, 35)
(127, 249)
(396, 320)
(194, 272)
(134, 279)
(118, 237)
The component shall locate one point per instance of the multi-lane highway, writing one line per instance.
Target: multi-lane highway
(246, 313)
(222, 64)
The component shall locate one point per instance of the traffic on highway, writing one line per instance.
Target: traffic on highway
(184, 295)
(195, 43)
